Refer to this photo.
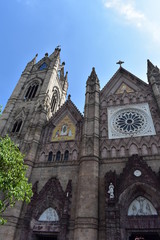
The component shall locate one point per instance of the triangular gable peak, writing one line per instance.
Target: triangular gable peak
(64, 123)
(45, 60)
(121, 82)
(70, 108)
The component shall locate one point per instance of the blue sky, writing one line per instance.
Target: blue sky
(92, 33)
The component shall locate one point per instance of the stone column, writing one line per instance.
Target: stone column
(86, 223)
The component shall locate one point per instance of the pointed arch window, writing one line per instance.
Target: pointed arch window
(49, 215)
(59, 74)
(17, 126)
(58, 156)
(31, 91)
(43, 66)
(50, 156)
(66, 155)
(54, 101)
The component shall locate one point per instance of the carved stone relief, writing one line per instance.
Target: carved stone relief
(141, 207)
(49, 214)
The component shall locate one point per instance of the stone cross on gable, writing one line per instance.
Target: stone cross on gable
(120, 62)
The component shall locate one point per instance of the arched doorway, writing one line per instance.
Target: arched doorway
(144, 236)
(139, 213)
(134, 209)
(47, 214)
(47, 227)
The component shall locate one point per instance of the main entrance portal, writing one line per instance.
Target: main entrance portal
(144, 236)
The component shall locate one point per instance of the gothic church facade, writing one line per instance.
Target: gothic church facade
(95, 176)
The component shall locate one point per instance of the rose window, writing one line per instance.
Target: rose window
(129, 121)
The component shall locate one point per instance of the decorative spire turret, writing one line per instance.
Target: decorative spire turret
(153, 74)
(56, 53)
(92, 79)
(30, 64)
(152, 71)
(89, 161)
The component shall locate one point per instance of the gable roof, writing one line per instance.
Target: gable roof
(70, 107)
(123, 76)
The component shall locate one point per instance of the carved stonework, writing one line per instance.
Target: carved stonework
(127, 177)
(136, 202)
(141, 207)
(49, 215)
(130, 120)
(124, 87)
(53, 198)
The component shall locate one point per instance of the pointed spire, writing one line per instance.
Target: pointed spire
(153, 73)
(30, 64)
(33, 61)
(93, 77)
(55, 53)
(151, 68)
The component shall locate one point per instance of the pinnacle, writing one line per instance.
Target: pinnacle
(93, 76)
(33, 61)
(151, 67)
(55, 53)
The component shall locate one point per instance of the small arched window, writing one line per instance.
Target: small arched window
(50, 156)
(59, 74)
(58, 156)
(31, 92)
(54, 101)
(17, 126)
(66, 155)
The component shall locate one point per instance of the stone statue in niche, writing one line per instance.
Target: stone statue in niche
(141, 207)
(111, 191)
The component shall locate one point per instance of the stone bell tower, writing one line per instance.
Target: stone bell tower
(39, 93)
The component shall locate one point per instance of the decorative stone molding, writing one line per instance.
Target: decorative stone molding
(136, 199)
(130, 120)
(51, 196)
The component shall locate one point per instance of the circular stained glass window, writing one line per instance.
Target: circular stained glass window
(130, 121)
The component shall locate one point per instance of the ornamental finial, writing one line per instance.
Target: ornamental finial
(120, 63)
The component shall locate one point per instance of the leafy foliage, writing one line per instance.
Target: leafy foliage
(14, 185)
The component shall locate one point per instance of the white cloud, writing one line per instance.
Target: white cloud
(127, 10)
(131, 15)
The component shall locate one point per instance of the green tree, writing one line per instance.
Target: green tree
(14, 184)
